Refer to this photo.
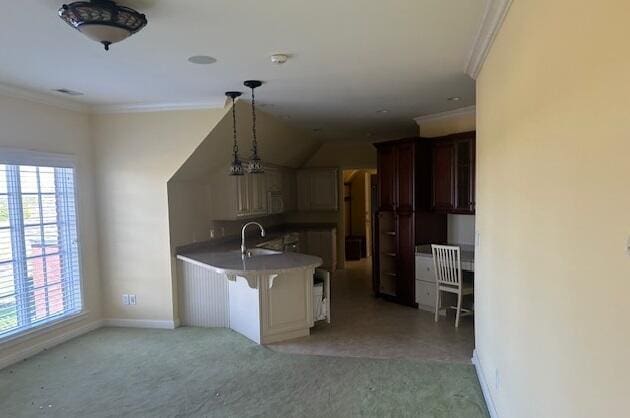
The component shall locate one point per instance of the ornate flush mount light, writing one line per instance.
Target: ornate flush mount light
(103, 21)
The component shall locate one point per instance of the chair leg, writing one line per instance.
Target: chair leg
(437, 303)
(459, 309)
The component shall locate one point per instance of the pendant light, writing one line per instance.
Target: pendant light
(103, 21)
(255, 163)
(236, 167)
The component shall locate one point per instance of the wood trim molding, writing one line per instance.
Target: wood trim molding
(485, 389)
(468, 110)
(42, 98)
(60, 338)
(141, 323)
(493, 18)
(159, 107)
(50, 99)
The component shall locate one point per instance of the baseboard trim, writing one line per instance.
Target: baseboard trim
(485, 389)
(141, 323)
(49, 343)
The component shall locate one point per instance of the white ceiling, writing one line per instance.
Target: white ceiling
(350, 58)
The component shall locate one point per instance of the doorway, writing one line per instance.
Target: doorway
(357, 213)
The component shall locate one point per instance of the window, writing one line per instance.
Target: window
(39, 257)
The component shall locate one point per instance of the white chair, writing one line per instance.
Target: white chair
(448, 278)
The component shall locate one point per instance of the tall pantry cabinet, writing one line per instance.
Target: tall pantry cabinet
(404, 194)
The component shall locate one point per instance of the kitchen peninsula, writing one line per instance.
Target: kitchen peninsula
(264, 295)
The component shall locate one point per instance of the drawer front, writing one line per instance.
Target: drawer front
(424, 269)
(425, 294)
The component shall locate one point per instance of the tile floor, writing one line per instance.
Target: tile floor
(364, 326)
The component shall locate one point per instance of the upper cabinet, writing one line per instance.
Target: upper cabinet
(317, 189)
(454, 173)
(386, 175)
(238, 197)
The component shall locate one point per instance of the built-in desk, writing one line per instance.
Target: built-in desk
(425, 273)
(467, 254)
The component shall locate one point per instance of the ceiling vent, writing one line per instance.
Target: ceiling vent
(69, 92)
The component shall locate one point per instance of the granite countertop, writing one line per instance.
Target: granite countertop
(269, 262)
(252, 238)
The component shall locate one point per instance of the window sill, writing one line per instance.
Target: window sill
(39, 330)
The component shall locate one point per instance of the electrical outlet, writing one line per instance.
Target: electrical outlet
(125, 299)
(212, 234)
(132, 299)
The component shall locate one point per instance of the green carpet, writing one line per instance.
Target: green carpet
(218, 373)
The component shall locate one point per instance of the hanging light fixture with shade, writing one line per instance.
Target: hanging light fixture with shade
(255, 163)
(103, 21)
(236, 167)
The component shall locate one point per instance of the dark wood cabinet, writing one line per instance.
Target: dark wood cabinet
(405, 178)
(419, 181)
(405, 283)
(443, 176)
(386, 172)
(454, 174)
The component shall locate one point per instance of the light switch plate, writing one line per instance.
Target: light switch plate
(132, 299)
(125, 299)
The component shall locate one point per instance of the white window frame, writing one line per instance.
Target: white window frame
(18, 156)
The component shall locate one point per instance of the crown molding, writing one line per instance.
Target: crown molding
(468, 110)
(42, 98)
(158, 107)
(493, 18)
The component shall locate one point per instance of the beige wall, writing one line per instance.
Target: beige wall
(447, 125)
(190, 189)
(37, 127)
(137, 154)
(344, 155)
(553, 210)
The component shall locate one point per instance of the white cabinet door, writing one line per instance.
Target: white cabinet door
(303, 190)
(424, 268)
(274, 179)
(257, 194)
(322, 244)
(425, 295)
(289, 189)
(243, 204)
(323, 190)
(317, 189)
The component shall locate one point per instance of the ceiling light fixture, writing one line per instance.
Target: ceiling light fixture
(279, 58)
(236, 167)
(103, 21)
(454, 99)
(255, 163)
(202, 59)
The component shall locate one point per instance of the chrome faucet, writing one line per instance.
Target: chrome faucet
(262, 234)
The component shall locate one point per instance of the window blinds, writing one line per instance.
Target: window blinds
(39, 256)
